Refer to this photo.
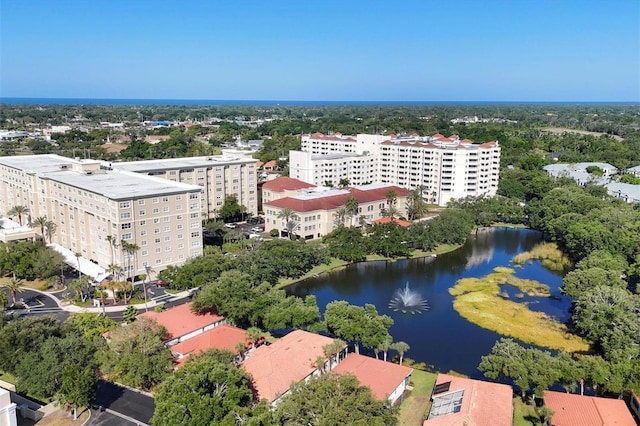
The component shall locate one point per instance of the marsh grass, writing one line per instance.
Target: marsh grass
(479, 300)
(550, 256)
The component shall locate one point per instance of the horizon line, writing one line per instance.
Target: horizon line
(272, 102)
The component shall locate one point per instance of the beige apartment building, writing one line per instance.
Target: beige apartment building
(91, 203)
(315, 209)
(218, 176)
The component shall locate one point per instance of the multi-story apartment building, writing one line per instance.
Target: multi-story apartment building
(218, 176)
(315, 208)
(95, 207)
(447, 168)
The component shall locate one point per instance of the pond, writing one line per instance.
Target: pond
(440, 337)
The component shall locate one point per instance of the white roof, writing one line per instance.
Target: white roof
(87, 267)
(178, 163)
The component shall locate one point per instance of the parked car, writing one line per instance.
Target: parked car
(256, 237)
(162, 284)
(231, 225)
(257, 229)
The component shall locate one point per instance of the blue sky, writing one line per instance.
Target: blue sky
(454, 50)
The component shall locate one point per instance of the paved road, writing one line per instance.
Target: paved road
(104, 418)
(124, 401)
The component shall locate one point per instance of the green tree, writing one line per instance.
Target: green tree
(40, 222)
(208, 389)
(21, 336)
(346, 243)
(88, 324)
(77, 388)
(351, 205)
(416, 206)
(230, 210)
(580, 281)
(290, 219)
(136, 355)
(129, 315)
(18, 211)
(50, 229)
(332, 399)
(15, 285)
(400, 347)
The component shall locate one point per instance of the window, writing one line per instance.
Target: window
(143, 222)
(195, 243)
(156, 221)
(125, 215)
(144, 252)
(165, 199)
(195, 234)
(178, 197)
(126, 236)
(167, 238)
(158, 250)
(167, 229)
(125, 225)
(165, 209)
(156, 211)
(167, 248)
(193, 196)
(179, 207)
(179, 236)
(179, 226)
(156, 201)
(156, 230)
(143, 233)
(125, 205)
(195, 215)
(141, 213)
(141, 202)
(157, 241)
(143, 242)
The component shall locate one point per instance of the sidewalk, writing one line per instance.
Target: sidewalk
(69, 307)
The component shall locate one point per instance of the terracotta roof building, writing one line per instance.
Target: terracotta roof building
(395, 220)
(182, 324)
(385, 379)
(292, 358)
(281, 187)
(580, 410)
(458, 401)
(315, 210)
(224, 337)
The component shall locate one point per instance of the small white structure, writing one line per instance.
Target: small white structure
(7, 409)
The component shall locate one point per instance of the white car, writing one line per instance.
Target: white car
(257, 229)
(256, 237)
(231, 225)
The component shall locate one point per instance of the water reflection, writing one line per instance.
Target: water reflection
(439, 336)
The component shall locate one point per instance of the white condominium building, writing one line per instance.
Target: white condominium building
(218, 176)
(447, 168)
(94, 208)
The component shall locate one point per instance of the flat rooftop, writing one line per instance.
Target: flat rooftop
(113, 184)
(181, 163)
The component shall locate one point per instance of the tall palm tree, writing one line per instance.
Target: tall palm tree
(392, 197)
(352, 207)
(40, 222)
(110, 241)
(14, 286)
(18, 211)
(50, 228)
(339, 216)
(391, 212)
(290, 218)
(78, 256)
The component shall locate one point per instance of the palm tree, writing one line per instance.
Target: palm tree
(290, 218)
(110, 240)
(40, 222)
(14, 286)
(392, 197)
(352, 208)
(18, 211)
(78, 256)
(77, 286)
(339, 216)
(50, 228)
(391, 212)
(385, 346)
(401, 348)
(254, 334)
(331, 350)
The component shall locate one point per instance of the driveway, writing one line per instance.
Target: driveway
(104, 418)
(124, 401)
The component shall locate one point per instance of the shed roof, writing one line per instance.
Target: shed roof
(180, 320)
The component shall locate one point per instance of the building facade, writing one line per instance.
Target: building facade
(94, 208)
(315, 210)
(218, 176)
(447, 168)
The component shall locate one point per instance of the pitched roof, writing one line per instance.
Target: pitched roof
(332, 202)
(285, 183)
(222, 337)
(483, 403)
(276, 367)
(383, 220)
(180, 320)
(380, 376)
(271, 163)
(580, 410)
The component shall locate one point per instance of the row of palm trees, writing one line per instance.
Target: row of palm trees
(47, 227)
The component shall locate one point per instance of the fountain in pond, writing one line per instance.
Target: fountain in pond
(408, 301)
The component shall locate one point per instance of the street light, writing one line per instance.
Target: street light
(147, 269)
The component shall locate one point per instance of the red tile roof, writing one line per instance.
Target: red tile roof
(221, 337)
(271, 163)
(579, 410)
(383, 220)
(380, 376)
(180, 320)
(483, 403)
(276, 367)
(285, 183)
(337, 137)
(490, 144)
(333, 202)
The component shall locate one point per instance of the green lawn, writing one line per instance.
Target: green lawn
(412, 409)
(523, 414)
(7, 377)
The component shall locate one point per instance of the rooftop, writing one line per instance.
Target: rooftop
(458, 401)
(276, 367)
(400, 222)
(580, 410)
(181, 163)
(381, 377)
(180, 320)
(223, 337)
(285, 183)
